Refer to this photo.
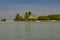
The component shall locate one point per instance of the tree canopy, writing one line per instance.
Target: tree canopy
(19, 18)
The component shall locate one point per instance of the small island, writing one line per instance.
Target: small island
(29, 16)
(3, 19)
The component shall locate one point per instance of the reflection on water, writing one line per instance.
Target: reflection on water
(23, 36)
(37, 31)
(28, 31)
(17, 30)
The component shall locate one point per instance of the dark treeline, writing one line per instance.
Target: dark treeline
(49, 17)
(3, 19)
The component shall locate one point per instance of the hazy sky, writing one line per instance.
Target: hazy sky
(8, 8)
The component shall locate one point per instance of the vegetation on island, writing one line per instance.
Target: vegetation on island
(49, 17)
(3, 19)
(29, 16)
(43, 18)
(54, 17)
(19, 18)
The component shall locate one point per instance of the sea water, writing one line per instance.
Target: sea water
(29, 30)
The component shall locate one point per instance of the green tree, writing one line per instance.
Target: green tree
(54, 17)
(43, 18)
(27, 14)
(19, 18)
(57, 18)
(30, 13)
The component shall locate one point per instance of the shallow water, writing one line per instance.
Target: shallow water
(29, 30)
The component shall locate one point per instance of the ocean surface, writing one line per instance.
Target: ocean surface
(29, 30)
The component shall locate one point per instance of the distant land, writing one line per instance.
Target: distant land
(29, 16)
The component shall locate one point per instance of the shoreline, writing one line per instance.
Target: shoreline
(32, 21)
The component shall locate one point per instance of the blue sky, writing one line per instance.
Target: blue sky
(8, 8)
